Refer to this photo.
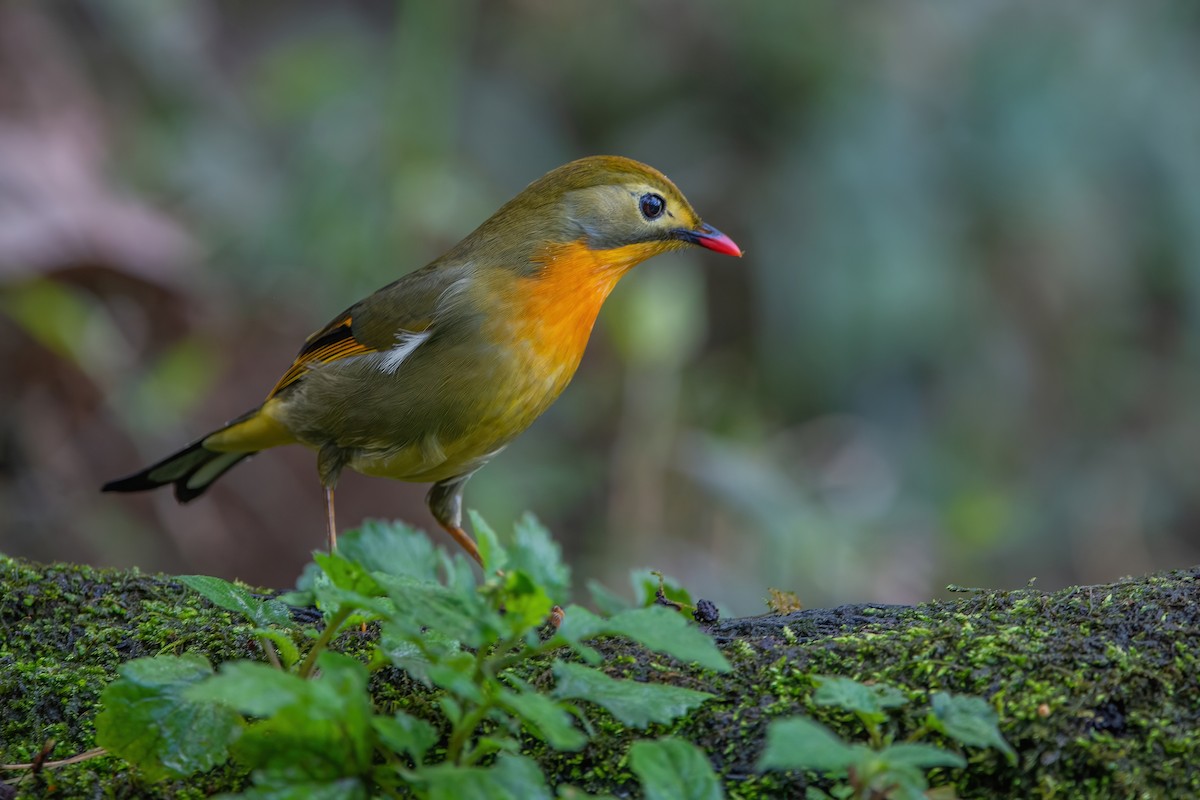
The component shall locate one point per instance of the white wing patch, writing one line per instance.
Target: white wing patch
(406, 343)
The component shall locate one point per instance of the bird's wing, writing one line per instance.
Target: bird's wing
(375, 324)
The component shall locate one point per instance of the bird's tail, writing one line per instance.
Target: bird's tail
(194, 468)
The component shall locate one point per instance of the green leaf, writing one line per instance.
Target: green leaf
(392, 548)
(870, 701)
(545, 719)
(895, 781)
(323, 733)
(495, 558)
(673, 769)
(969, 720)
(459, 615)
(646, 583)
(526, 604)
(344, 789)
(802, 743)
(146, 720)
(513, 777)
(634, 704)
(347, 575)
(451, 708)
(921, 756)
(656, 628)
(486, 745)
(239, 599)
(580, 624)
(285, 647)
(571, 793)
(607, 601)
(411, 650)
(455, 672)
(406, 734)
(304, 595)
(536, 553)
(252, 688)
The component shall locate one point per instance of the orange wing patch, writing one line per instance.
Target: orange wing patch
(331, 344)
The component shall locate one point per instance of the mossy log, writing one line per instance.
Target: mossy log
(1098, 687)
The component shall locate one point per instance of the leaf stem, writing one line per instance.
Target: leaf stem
(462, 731)
(269, 651)
(310, 660)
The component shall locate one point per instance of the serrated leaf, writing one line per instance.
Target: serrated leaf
(325, 735)
(406, 734)
(921, 756)
(860, 698)
(459, 615)
(455, 672)
(633, 703)
(802, 743)
(534, 551)
(347, 575)
(513, 777)
(494, 557)
(239, 599)
(545, 719)
(146, 720)
(971, 721)
(674, 769)
(411, 650)
(392, 548)
(656, 628)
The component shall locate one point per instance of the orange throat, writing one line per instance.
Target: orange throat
(558, 306)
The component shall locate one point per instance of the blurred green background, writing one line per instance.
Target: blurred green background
(963, 345)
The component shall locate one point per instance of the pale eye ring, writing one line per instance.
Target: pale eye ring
(652, 205)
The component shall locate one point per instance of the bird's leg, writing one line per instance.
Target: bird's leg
(330, 460)
(445, 501)
(330, 519)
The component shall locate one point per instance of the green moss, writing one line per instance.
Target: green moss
(1096, 686)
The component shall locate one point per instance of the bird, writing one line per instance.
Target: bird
(429, 378)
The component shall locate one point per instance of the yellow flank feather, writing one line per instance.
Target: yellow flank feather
(258, 432)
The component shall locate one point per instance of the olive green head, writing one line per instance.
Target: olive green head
(606, 202)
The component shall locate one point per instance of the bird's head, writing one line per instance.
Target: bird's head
(611, 202)
(603, 203)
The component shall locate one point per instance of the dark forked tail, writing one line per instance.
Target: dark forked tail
(192, 470)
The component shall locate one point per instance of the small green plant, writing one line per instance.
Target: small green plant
(883, 768)
(303, 724)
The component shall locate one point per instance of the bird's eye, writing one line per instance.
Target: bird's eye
(652, 206)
